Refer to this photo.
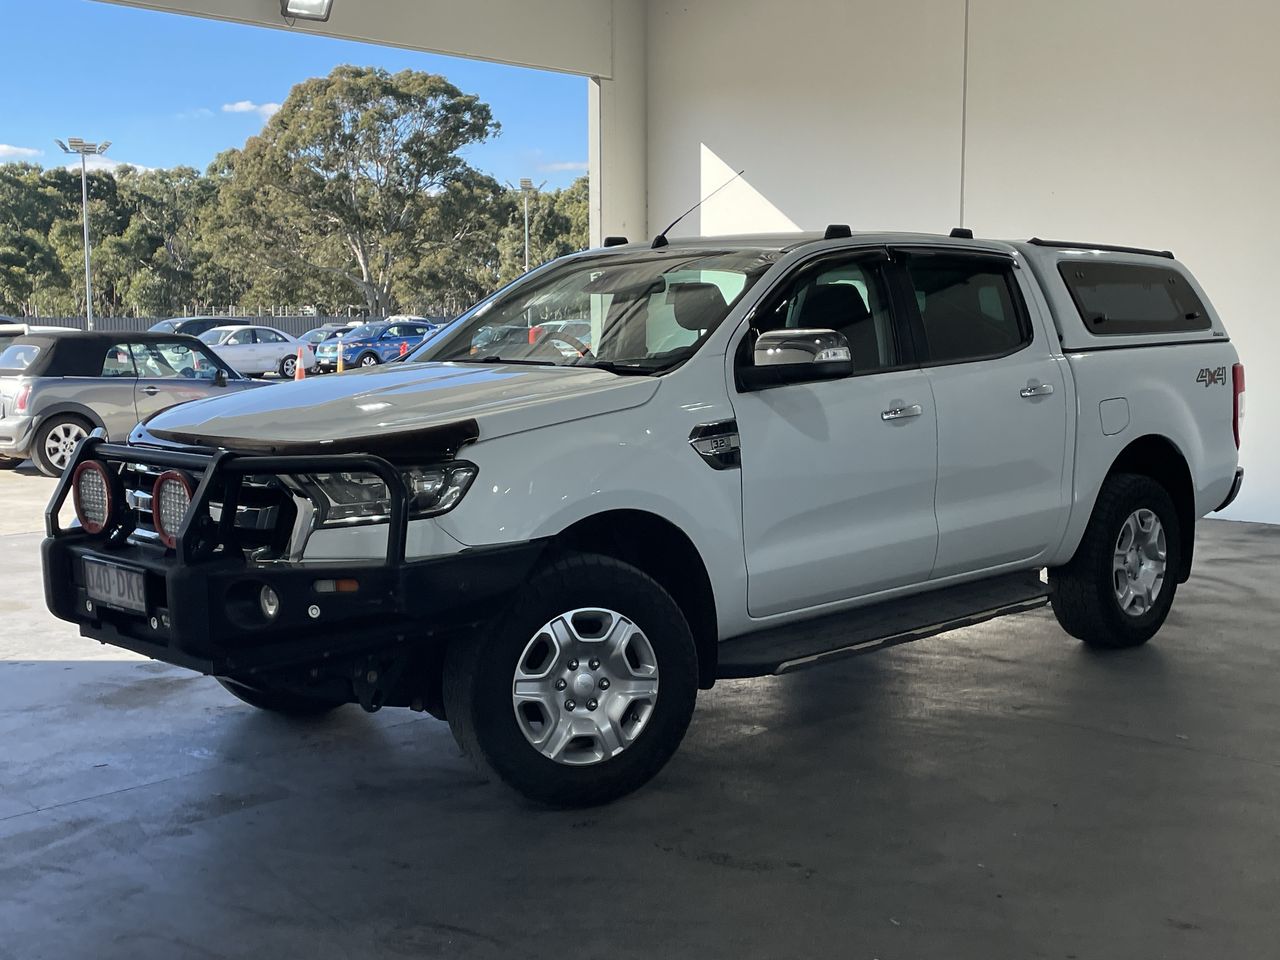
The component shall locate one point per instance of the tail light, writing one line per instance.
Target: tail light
(1237, 407)
(93, 492)
(20, 401)
(535, 334)
(170, 499)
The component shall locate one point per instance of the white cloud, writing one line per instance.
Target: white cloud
(96, 162)
(10, 152)
(566, 166)
(264, 110)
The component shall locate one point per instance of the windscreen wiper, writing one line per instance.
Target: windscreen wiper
(495, 358)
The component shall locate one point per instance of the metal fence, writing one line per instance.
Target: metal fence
(294, 325)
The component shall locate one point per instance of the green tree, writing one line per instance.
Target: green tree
(557, 226)
(343, 178)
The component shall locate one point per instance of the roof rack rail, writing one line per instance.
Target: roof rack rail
(837, 231)
(961, 233)
(1110, 248)
(616, 241)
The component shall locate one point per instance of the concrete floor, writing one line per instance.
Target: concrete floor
(1000, 792)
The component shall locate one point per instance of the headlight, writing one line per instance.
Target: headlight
(347, 498)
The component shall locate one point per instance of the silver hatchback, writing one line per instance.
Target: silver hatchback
(56, 388)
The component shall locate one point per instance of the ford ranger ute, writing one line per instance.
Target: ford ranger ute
(767, 453)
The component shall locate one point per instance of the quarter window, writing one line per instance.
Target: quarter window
(970, 307)
(847, 297)
(117, 362)
(1124, 298)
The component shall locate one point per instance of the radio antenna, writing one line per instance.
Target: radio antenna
(661, 240)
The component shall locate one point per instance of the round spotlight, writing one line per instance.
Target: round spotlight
(170, 498)
(91, 491)
(270, 602)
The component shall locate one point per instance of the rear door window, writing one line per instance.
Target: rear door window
(970, 307)
(1115, 299)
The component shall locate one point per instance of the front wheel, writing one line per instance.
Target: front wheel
(584, 689)
(369, 360)
(1118, 588)
(280, 701)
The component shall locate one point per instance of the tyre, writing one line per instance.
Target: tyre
(7, 463)
(584, 688)
(280, 701)
(1117, 589)
(369, 360)
(55, 442)
(288, 367)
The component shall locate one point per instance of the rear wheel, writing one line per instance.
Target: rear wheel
(583, 691)
(280, 701)
(288, 367)
(1118, 588)
(55, 443)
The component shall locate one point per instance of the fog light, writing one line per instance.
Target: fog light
(270, 603)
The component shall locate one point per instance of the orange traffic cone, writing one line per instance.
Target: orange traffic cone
(299, 371)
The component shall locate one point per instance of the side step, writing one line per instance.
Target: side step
(866, 629)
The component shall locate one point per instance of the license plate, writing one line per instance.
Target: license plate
(115, 586)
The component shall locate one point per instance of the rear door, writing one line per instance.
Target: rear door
(837, 476)
(1002, 408)
(241, 350)
(272, 348)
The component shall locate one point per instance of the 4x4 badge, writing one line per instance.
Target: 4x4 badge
(1209, 376)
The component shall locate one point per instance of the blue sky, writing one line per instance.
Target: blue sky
(170, 90)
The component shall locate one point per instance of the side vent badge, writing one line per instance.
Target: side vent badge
(718, 444)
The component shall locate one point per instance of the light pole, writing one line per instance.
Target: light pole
(526, 187)
(85, 149)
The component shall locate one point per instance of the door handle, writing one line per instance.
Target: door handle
(1036, 390)
(902, 412)
(150, 391)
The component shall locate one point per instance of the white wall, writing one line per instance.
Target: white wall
(1127, 121)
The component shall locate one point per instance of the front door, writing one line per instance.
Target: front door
(837, 476)
(1002, 409)
(170, 373)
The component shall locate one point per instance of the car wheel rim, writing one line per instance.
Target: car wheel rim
(368, 362)
(1138, 563)
(585, 686)
(61, 442)
(290, 368)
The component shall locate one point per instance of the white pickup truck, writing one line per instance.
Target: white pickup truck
(642, 468)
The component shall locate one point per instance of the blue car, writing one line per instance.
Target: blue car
(374, 343)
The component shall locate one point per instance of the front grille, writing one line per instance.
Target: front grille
(264, 515)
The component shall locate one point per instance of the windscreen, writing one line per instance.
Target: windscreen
(641, 313)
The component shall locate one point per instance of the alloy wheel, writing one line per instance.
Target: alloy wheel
(60, 443)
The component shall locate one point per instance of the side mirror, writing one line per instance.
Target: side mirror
(220, 378)
(796, 356)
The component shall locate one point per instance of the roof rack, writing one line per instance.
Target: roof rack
(1068, 245)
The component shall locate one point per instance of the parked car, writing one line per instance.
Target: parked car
(56, 388)
(777, 452)
(257, 350)
(194, 326)
(373, 343)
(319, 335)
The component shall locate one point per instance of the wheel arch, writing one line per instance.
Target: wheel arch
(1159, 458)
(68, 408)
(662, 550)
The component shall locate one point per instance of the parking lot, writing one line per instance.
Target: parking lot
(995, 792)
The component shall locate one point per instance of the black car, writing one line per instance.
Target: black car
(194, 326)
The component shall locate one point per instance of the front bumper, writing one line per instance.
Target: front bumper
(202, 597)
